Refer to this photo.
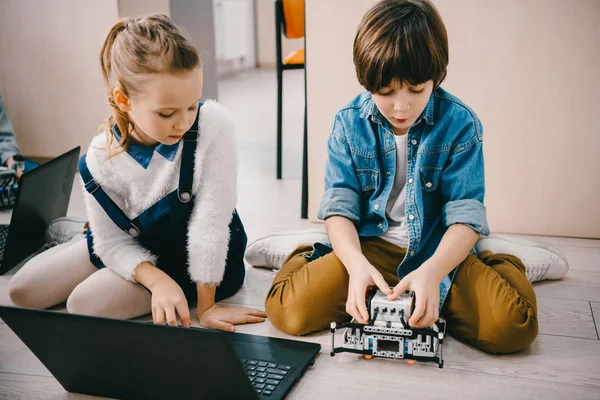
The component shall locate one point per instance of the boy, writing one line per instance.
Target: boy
(403, 203)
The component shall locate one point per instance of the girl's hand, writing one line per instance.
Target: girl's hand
(362, 276)
(168, 302)
(427, 296)
(225, 317)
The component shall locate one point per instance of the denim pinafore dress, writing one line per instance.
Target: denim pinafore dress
(163, 228)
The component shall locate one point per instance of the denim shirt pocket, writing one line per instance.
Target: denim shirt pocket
(367, 179)
(430, 184)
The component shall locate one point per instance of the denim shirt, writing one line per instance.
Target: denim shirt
(444, 182)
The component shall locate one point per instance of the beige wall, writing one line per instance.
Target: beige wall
(49, 72)
(136, 8)
(529, 70)
(265, 25)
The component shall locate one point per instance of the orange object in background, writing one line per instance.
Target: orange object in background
(295, 57)
(293, 16)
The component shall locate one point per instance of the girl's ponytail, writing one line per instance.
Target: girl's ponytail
(106, 64)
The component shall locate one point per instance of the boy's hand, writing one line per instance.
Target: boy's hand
(427, 296)
(225, 317)
(169, 301)
(362, 276)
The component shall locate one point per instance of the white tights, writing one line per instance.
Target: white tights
(65, 273)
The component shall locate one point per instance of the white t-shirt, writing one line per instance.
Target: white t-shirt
(397, 232)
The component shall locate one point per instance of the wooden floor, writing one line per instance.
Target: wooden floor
(562, 363)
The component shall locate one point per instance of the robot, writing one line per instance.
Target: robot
(388, 333)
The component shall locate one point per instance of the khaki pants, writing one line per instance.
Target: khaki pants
(491, 304)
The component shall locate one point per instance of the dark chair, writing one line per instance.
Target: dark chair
(289, 21)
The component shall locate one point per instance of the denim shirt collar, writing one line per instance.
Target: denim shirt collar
(427, 114)
(143, 154)
(370, 110)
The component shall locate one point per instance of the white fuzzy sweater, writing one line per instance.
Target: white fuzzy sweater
(135, 188)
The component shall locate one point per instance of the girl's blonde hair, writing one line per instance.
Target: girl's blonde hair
(133, 48)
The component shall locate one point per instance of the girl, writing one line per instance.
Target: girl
(160, 192)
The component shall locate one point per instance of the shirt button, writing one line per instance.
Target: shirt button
(411, 180)
(380, 226)
(377, 206)
(413, 142)
(388, 173)
(429, 184)
(411, 217)
(412, 253)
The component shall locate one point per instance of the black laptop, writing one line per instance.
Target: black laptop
(43, 195)
(139, 360)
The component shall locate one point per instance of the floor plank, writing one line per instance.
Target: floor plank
(4, 299)
(549, 359)
(255, 288)
(332, 381)
(16, 357)
(30, 387)
(356, 378)
(595, 306)
(566, 318)
(583, 258)
(576, 285)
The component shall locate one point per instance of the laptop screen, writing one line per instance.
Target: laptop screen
(43, 196)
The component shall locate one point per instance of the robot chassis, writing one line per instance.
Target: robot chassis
(388, 333)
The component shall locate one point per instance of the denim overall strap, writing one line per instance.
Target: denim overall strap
(188, 157)
(109, 206)
(186, 174)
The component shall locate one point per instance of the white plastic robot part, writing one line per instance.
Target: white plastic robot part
(393, 310)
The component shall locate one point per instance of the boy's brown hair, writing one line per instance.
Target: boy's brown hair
(403, 40)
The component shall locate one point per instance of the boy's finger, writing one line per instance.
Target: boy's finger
(424, 322)
(435, 313)
(400, 288)
(381, 283)
(357, 316)
(419, 311)
(362, 307)
(351, 307)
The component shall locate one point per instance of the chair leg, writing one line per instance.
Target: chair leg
(279, 120)
(304, 210)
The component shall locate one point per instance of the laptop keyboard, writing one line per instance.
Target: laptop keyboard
(265, 376)
(3, 237)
